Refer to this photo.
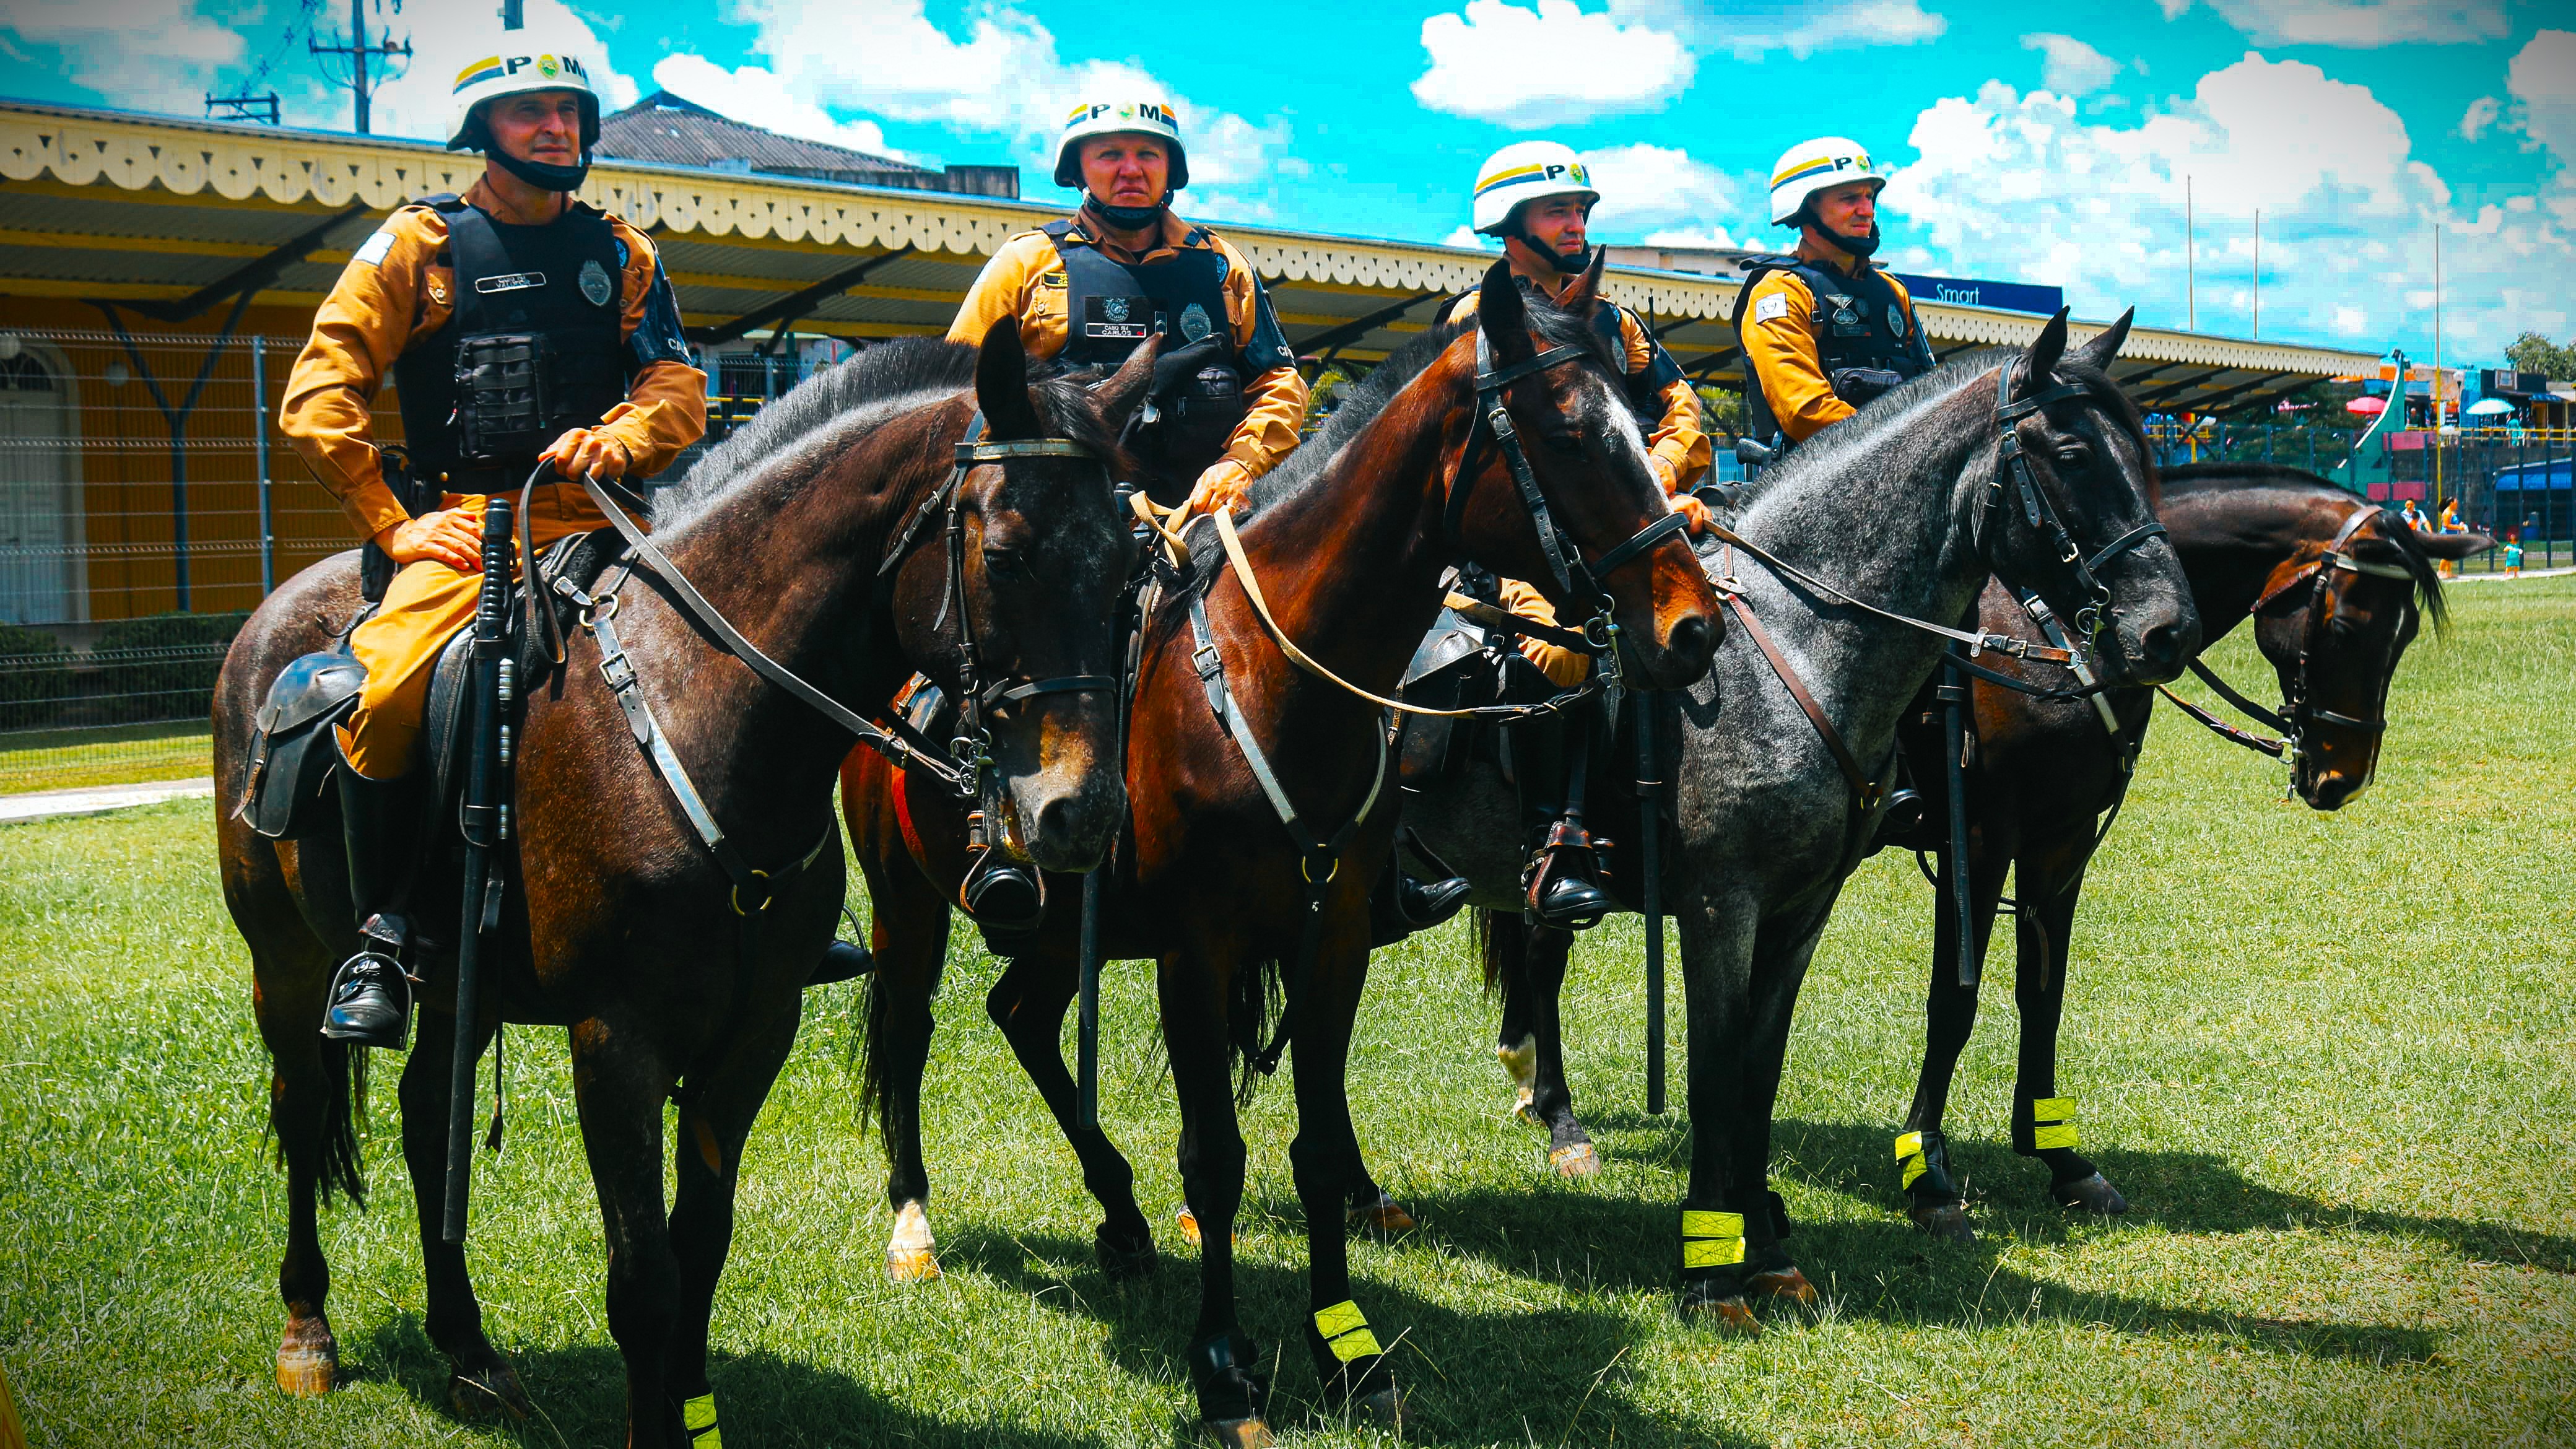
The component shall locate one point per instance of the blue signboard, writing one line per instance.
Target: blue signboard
(2010, 296)
(2552, 474)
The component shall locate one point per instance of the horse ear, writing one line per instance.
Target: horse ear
(1500, 312)
(1002, 384)
(1120, 393)
(2040, 362)
(2104, 347)
(1586, 291)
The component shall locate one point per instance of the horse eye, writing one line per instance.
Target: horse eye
(2074, 455)
(1566, 443)
(1002, 562)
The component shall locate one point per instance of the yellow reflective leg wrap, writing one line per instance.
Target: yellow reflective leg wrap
(1346, 1332)
(698, 1415)
(1909, 1159)
(1712, 1240)
(2052, 1122)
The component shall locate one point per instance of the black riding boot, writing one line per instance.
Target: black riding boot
(1401, 905)
(1564, 874)
(370, 1001)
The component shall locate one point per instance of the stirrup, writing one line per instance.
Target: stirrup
(1562, 885)
(370, 997)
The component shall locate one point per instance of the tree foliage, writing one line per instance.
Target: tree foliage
(2532, 352)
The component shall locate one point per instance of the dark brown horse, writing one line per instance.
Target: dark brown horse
(1347, 542)
(2045, 771)
(619, 925)
(2336, 588)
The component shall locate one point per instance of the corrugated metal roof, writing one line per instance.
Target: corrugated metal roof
(667, 128)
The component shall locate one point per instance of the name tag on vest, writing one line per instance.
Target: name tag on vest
(512, 282)
(1129, 319)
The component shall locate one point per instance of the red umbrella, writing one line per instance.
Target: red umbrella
(2366, 406)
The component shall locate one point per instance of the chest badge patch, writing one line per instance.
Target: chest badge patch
(1114, 308)
(594, 283)
(1194, 322)
(1895, 319)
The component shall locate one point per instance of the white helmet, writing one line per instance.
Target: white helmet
(519, 67)
(1526, 171)
(1111, 118)
(1812, 166)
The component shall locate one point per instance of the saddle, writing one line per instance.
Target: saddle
(292, 758)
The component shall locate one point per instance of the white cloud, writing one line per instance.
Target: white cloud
(1547, 66)
(1751, 29)
(2173, 9)
(2542, 78)
(2016, 186)
(416, 103)
(754, 97)
(1645, 188)
(2361, 23)
(2481, 114)
(1468, 236)
(2071, 67)
(1715, 236)
(145, 54)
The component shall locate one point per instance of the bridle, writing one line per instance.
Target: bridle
(2082, 572)
(2299, 712)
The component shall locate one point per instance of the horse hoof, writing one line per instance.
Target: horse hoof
(1241, 1433)
(308, 1359)
(1383, 1219)
(1385, 1408)
(2093, 1194)
(1731, 1316)
(1786, 1283)
(912, 1256)
(1525, 1108)
(1947, 1222)
(1121, 1260)
(483, 1391)
(1577, 1159)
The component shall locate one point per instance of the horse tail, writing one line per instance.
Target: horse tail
(868, 1024)
(342, 1169)
(1259, 999)
(1502, 940)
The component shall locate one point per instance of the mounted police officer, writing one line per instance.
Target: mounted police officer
(1823, 330)
(521, 327)
(1537, 198)
(1227, 399)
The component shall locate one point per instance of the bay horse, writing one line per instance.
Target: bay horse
(1347, 543)
(1785, 750)
(2336, 588)
(621, 927)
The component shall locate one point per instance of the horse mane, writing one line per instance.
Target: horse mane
(2282, 478)
(1361, 405)
(844, 403)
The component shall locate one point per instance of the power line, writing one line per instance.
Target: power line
(248, 102)
(356, 52)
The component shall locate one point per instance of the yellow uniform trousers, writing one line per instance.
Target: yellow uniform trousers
(424, 607)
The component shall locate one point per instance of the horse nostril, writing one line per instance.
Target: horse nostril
(2161, 645)
(1692, 643)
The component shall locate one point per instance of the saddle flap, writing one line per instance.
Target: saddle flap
(291, 763)
(309, 688)
(1451, 639)
(442, 718)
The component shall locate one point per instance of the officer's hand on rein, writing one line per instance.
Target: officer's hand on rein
(1692, 509)
(446, 536)
(1223, 485)
(583, 451)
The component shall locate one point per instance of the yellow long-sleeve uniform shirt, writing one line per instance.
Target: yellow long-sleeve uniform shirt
(396, 291)
(1677, 444)
(1780, 342)
(1025, 279)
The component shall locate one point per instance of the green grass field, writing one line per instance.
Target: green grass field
(2327, 1057)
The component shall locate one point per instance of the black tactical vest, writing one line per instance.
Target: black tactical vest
(533, 349)
(1661, 371)
(1861, 329)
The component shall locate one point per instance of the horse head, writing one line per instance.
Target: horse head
(2334, 629)
(1029, 582)
(1587, 461)
(2070, 511)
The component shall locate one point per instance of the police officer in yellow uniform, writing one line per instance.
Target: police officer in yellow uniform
(1227, 399)
(1537, 198)
(460, 300)
(1824, 331)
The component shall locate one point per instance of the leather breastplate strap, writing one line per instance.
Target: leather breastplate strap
(1864, 790)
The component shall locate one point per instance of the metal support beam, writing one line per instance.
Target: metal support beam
(246, 279)
(1713, 362)
(2210, 404)
(795, 305)
(2165, 395)
(1334, 339)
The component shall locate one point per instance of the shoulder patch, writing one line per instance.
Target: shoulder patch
(373, 251)
(1767, 308)
(623, 256)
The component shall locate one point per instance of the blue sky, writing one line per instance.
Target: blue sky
(2039, 143)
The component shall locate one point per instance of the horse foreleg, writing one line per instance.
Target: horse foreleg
(479, 1380)
(1225, 1364)
(1028, 1003)
(1781, 957)
(1325, 1158)
(2049, 893)
(908, 932)
(1717, 960)
(1933, 1198)
(619, 1085)
(1569, 1147)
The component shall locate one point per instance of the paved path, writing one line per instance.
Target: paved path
(99, 799)
(2499, 578)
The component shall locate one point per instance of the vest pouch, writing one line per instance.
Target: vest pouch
(1861, 386)
(504, 387)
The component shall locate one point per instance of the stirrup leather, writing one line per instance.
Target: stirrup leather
(1562, 882)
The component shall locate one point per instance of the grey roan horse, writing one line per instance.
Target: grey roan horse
(1909, 507)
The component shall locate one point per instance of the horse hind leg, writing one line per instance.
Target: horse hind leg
(2047, 927)
(908, 934)
(316, 1091)
(480, 1381)
(1028, 1003)
(1550, 1102)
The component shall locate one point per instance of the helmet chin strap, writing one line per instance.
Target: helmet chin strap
(540, 174)
(1858, 247)
(1569, 265)
(1125, 218)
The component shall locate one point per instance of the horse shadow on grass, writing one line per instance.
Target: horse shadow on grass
(761, 1397)
(1884, 1269)
(1513, 1375)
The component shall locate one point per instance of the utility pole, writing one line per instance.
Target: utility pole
(2437, 364)
(2258, 274)
(357, 51)
(511, 19)
(262, 109)
(2190, 262)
